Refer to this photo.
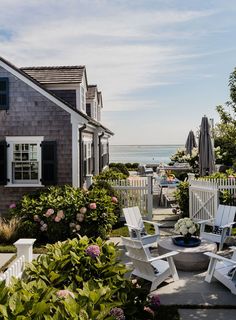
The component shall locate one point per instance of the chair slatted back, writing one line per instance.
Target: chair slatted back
(135, 249)
(133, 217)
(225, 215)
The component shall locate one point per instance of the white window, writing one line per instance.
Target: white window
(82, 98)
(104, 148)
(24, 160)
(95, 110)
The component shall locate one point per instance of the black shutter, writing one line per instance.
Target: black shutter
(4, 93)
(49, 163)
(3, 162)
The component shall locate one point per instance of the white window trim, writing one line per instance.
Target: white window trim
(22, 139)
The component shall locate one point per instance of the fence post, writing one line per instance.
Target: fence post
(150, 198)
(25, 248)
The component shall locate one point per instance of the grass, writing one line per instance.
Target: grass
(10, 248)
(121, 230)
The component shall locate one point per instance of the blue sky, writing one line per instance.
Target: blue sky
(161, 65)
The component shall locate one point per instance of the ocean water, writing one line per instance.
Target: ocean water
(143, 154)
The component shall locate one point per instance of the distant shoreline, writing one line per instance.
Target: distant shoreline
(143, 154)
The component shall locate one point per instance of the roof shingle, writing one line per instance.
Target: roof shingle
(56, 75)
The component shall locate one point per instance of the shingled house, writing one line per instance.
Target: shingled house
(50, 129)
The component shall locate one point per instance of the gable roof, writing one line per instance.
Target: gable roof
(92, 92)
(57, 74)
(55, 97)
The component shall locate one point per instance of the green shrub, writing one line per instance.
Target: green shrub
(182, 198)
(76, 279)
(121, 167)
(110, 174)
(58, 213)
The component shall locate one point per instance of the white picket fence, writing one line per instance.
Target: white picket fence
(204, 196)
(24, 254)
(135, 191)
(15, 270)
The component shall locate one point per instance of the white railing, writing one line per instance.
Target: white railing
(24, 254)
(15, 270)
(135, 191)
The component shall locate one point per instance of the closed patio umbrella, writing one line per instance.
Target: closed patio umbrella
(205, 149)
(190, 143)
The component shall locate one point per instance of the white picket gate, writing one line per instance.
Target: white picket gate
(204, 196)
(136, 191)
(203, 199)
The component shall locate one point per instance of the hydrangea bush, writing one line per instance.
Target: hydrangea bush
(77, 279)
(58, 213)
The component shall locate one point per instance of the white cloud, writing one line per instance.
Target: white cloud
(115, 43)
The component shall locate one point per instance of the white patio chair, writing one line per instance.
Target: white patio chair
(136, 227)
(154, 269)
(223, 269)
(222, 225)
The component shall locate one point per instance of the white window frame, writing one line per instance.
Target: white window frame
(23, 140)
(82, 98)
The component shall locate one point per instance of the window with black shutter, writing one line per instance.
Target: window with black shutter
(4, 94)
(3, 162)
(49, 162)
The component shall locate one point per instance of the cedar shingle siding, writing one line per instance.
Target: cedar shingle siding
(31, 114)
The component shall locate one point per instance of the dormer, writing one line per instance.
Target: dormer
(92, 102)
(100, 105)
(68, 83)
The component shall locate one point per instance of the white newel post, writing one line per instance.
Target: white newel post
(150, 198)
(25, 248)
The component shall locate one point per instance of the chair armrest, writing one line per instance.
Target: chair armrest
(152, 222)
(217, 257)
(133, 227)
(227, 225)
(164, 256)
(204, 221)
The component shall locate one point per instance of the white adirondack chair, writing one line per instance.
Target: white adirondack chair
(154, 269)
(136, 227)
(219, 267)
(224, 219)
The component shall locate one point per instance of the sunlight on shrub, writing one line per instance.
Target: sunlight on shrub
(8, 229)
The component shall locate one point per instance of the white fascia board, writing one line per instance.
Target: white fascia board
(39, 89)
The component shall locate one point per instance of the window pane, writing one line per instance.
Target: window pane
(17, 147)
(3, 99)
(3, 85)
(25, 156)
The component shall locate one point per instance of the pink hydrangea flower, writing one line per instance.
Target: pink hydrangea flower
(44, 227)
(65, 294)
(154, 301)
(83, 210)
(114, 200)
(93, 251)
(57, 219)
(72, 225)
(60, 214)
(149, 310)
(80, 217)
(12, 206)
(117, 313)
(78, 227)
(48, 213)
(92, 206)
(36, 218)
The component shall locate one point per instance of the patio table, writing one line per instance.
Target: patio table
(188, 259)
